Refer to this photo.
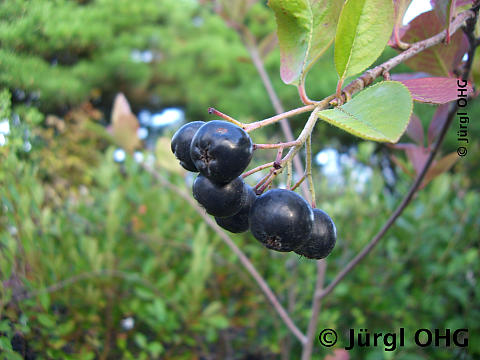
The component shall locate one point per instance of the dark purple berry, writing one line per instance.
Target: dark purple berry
(181, 142)
(220, 200)
(323, 237)
(239, 222)
(281, 220)
(221, 151)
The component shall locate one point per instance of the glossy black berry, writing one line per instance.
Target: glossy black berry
(220, 200)
(181, 142)
(221, 151)
(323, 237)
(239, 222)
(281, 220)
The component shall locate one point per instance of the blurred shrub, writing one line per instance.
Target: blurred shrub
(124, 268)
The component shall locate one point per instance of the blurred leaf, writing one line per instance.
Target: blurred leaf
(372, 115)
(436, 90)
(418, 156)
(305, 29)
(165, 158)
(124, 125)
(415, 129)
(155, 349)
(141, 340)
(44, 298)
(437, 122)
(46, 320)
(439, 167)
(363, 30)
(441, 59)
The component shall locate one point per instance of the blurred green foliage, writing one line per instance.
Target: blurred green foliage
(97, 260)
(124, 250)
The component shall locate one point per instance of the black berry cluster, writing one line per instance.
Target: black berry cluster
(280, 219)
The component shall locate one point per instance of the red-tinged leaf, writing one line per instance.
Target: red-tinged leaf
(409, 76)
(402, 146)
(415, 130)
(439, 167)
(437, 90)
(418, 156)
(439, 60)
(338, 354)
(437, 123)
(445, 10)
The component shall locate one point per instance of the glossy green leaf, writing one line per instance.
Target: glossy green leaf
(305, 29)
(380, 112)
(363, 31)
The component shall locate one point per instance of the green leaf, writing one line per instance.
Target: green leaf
(380, 112)
(363, 31)
(46, 320)
(305, 29)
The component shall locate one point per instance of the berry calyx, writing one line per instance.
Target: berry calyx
(220, 200)
(181, 142)
(239, 222)
(322, 239)
(281, 220)
(221, 151)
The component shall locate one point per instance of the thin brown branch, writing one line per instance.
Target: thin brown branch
(247, 264)
(256, 169)
(279, 117)
(316, 304)
(277, 145)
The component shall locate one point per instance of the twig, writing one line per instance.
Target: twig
(308, 169)
(316, 304)
(243, 258)
(280, 117)
(277, 145)
(289, 175)
(225, 117)
(257, 169)
(297, 184)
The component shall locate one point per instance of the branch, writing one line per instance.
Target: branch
(415, 186)
(316, 304)
(243, 258)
